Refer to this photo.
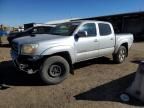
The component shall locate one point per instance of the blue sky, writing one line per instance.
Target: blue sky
(17, 12)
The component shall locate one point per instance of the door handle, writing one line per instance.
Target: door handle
(111, 38)
(95, 40)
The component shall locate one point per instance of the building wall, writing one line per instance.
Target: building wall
(125, 23)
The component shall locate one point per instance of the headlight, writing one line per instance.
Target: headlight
(29, 48)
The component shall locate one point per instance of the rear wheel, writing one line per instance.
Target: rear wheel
(121, 55)
(54, 70)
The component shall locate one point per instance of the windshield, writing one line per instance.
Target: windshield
(65, 29)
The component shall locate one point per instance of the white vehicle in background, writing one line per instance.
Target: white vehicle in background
(55, 22)
(31, 29)
(39, 28)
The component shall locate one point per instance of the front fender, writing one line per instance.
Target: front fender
(58, 49)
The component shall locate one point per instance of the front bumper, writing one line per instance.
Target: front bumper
(26, 63)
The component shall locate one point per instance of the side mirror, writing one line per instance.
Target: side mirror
(33, 31)
(81, 34)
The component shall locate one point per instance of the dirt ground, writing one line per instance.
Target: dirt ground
(96, 84)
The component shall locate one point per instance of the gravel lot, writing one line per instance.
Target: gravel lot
(96, 83)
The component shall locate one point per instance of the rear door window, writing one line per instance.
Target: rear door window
(104, 29)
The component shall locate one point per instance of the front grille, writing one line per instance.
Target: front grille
(15, 47)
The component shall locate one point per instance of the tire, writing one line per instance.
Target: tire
(54, 70)
(121, 55)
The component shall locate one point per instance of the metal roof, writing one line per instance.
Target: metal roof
(131, 14)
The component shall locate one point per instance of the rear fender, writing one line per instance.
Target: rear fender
(119, 43)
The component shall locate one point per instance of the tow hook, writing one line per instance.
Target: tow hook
(22, 66)
(30, 71)
(25, 68)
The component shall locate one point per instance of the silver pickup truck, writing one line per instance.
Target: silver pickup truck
(53, 55)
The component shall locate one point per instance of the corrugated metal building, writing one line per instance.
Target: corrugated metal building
(125, 23)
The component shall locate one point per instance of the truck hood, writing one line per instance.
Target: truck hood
(38, 38)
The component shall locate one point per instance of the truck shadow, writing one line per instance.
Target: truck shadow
(110, 91)
(10, 76)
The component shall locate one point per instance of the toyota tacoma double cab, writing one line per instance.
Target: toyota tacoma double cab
(52, 55)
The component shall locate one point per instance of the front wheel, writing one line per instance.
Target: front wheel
(121, 55)
(54, 70)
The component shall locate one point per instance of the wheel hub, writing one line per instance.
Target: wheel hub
(55, 70)
(122, 55)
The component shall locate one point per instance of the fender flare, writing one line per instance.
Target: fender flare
(59, 49)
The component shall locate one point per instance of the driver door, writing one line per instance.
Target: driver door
(87, 46)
